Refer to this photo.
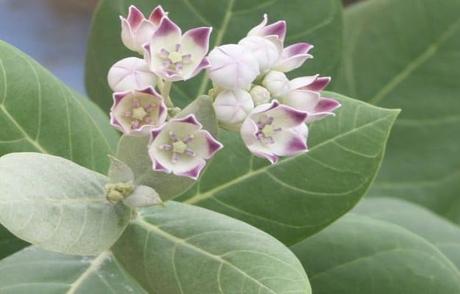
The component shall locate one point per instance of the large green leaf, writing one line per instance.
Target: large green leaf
(405, 54)
(185, 249)
(37, 271)
(361, 255)
(316, 21)
(9, 243)
(440, 232)
(300, 195)
(58, 205)
(39, 113)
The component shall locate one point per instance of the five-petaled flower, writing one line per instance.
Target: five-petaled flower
(274, 130)
(138, 112)
(136, 30)
(182, 147)
(174, 56)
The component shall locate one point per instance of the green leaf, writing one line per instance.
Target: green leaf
(315, 21)
(405, 54)
(58, 205)
(39, 113)
(186, 249)
(37, 271)
(9, 243)
(133, 151)
(361, 255)
(438, 231)
(300, 195)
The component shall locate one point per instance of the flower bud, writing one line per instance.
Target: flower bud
(130, 74)
(277, 83)
(266, 50)
(260, 95)
(232, 67)
(232, 107)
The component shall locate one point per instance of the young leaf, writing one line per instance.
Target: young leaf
(58, 205)
(38, 113)
(34, 270)
(186, 249)
(388, 63)
(440, 232)
(300, 195)
(132, 151)
(361, 255)
(315, 21)
(9, 243)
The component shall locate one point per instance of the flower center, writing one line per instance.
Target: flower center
(175, 57)
(266, 130)
(178, 147)
(140, 114)
(174, 61)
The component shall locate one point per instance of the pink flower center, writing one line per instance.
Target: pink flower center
(179, 147)
(174, 61)
(266, 130)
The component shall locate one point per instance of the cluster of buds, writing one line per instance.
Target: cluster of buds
(254, 96)
(251, 93)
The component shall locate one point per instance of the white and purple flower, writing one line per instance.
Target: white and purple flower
(137, 30)
(174, 56)
(130, 74)
(138, 112)
(305, 95)
(182, 147)
(274, 130)
(232, 67)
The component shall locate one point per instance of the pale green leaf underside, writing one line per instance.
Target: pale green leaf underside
(362, 255)
(437, 230)
(186, 249)
(314, 21)
(39, 113)
(405, 54)
(300, 195)
(37, 271)
(58, 205)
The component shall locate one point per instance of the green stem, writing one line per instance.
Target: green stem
(165, 90)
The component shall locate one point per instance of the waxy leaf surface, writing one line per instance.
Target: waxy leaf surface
(34, 270)
(435, 229)
(362, 255)
(405, 54)
(58, 205)
(181, 248)
(38, 113)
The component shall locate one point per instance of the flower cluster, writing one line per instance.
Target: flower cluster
(254, 95)
(178, 145)
(251, 92)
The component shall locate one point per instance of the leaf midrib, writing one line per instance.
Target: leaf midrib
(199, 197)
(176, 240)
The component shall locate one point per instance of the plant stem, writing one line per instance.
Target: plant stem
(165, 90)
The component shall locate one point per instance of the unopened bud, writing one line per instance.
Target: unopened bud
(232, 107)
(277, 83)
(260, 95)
